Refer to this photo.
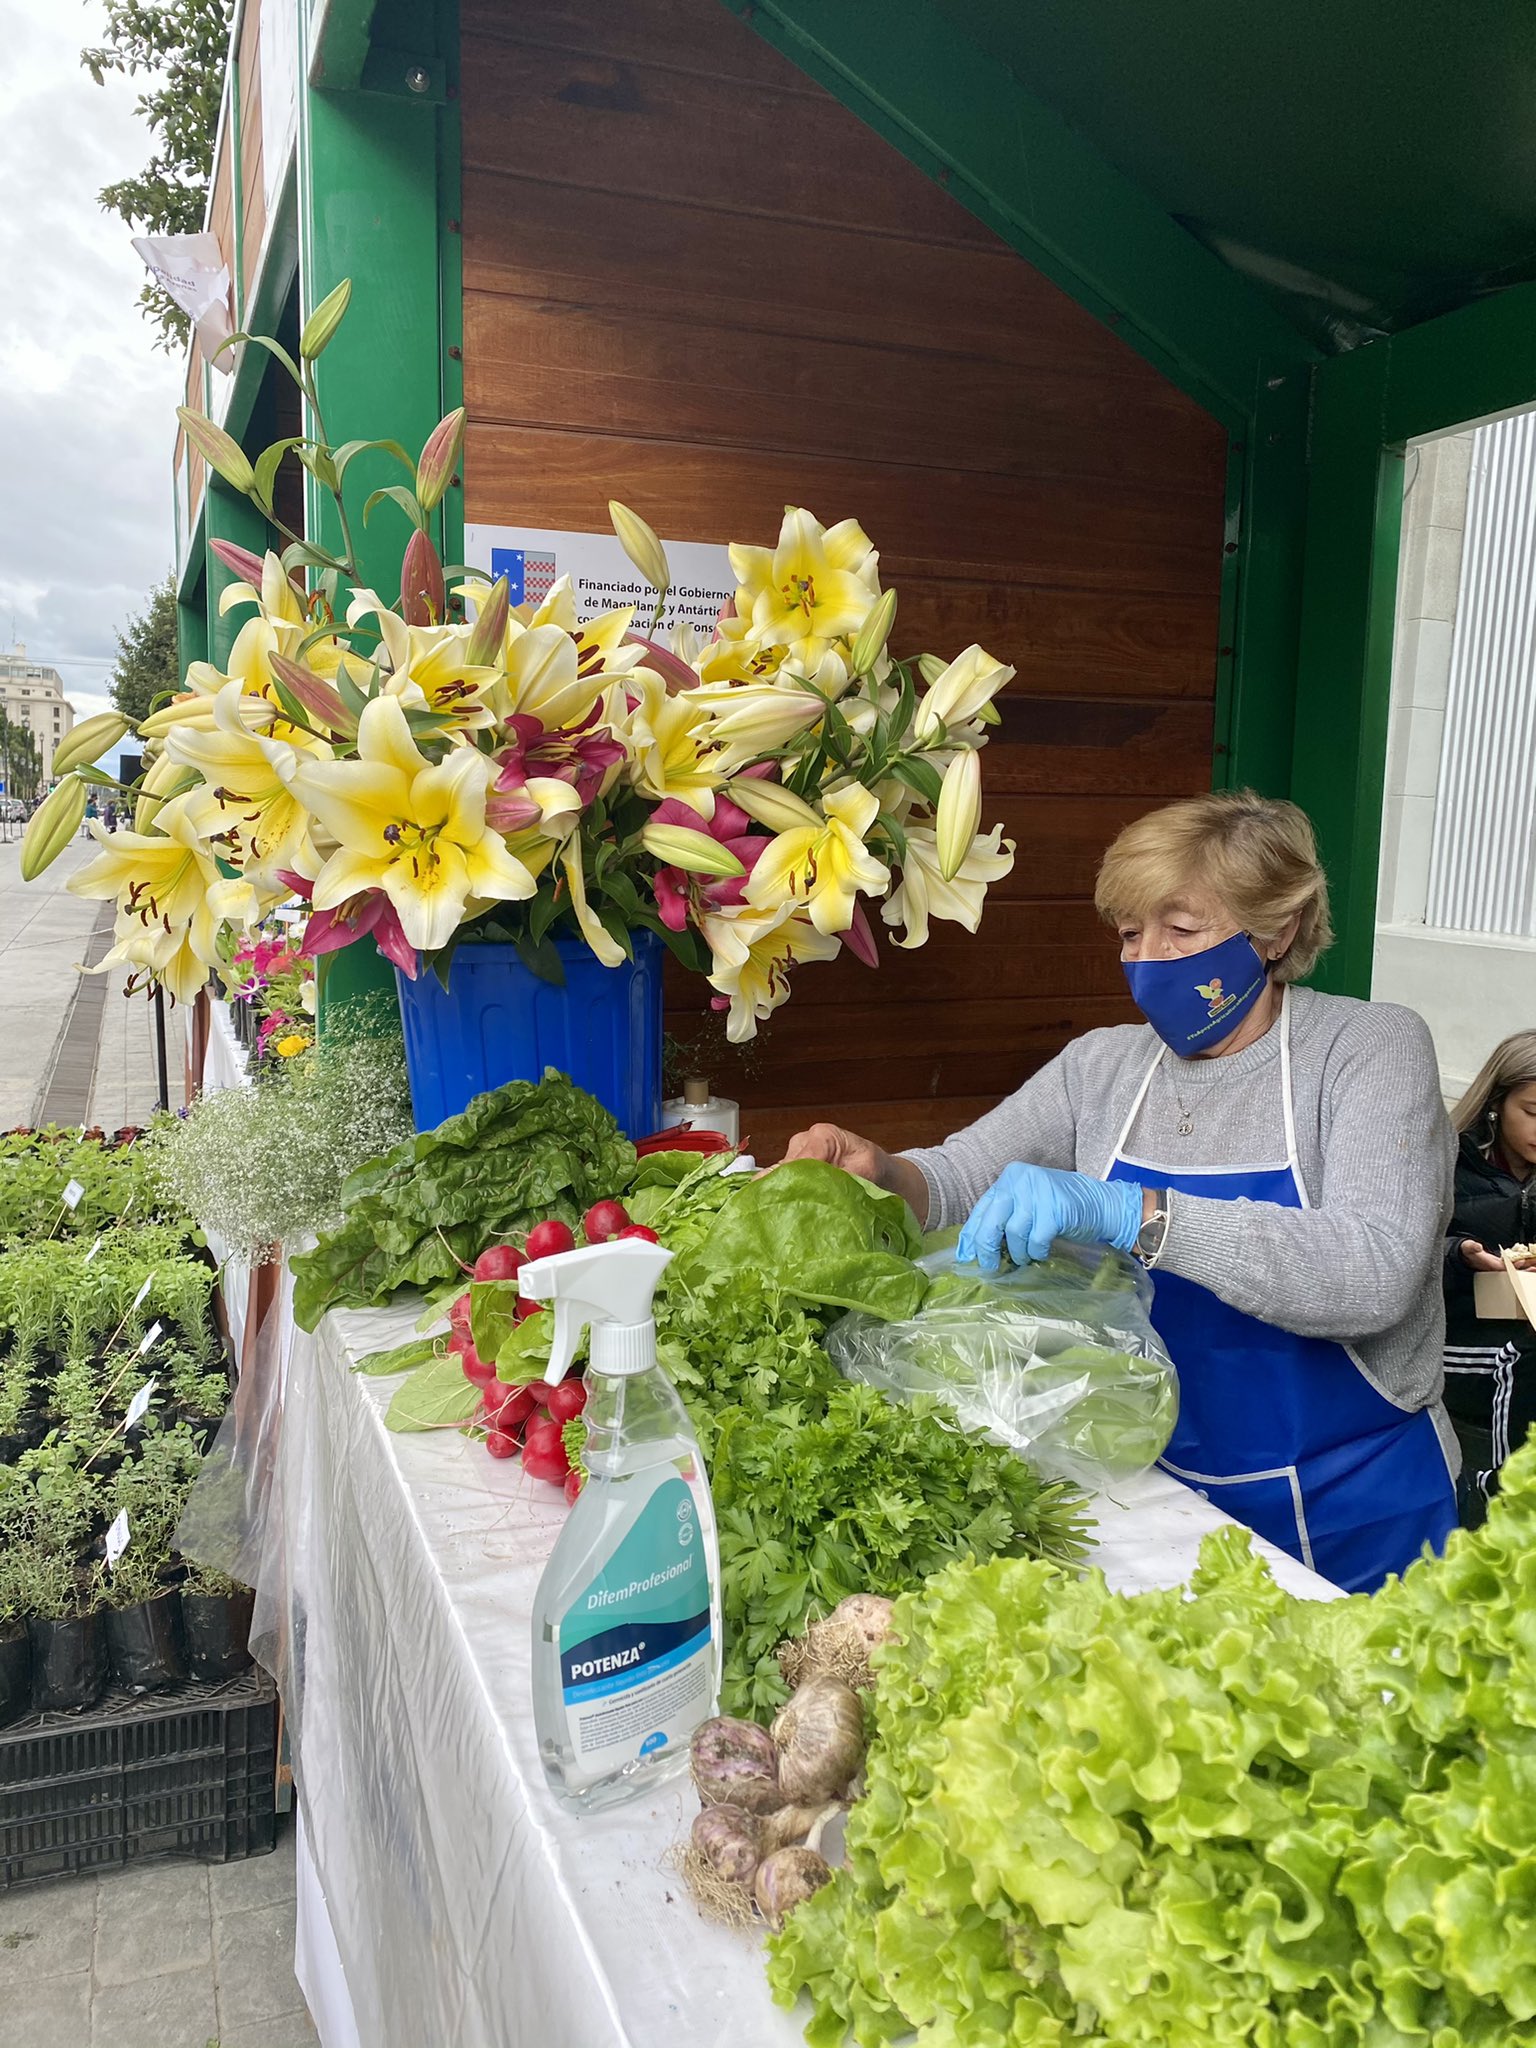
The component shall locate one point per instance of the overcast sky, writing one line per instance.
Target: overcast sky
(86, 400)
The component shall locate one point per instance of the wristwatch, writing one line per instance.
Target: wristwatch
(1152, 1234)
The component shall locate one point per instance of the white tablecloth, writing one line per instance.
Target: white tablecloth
(467, 1906)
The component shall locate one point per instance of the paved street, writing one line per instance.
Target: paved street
(72, 1050)
(168, 1955)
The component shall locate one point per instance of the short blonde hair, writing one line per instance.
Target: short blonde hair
(1256, 854)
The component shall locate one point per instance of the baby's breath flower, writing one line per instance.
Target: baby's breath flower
(262, 1166)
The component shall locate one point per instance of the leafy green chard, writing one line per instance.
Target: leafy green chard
(425, 1209)
(1229, 1816)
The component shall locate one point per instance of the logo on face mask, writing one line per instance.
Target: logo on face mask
(1218, 1001)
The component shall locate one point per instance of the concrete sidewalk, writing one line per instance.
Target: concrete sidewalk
(72, 1049)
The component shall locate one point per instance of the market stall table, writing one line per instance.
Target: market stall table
(462, 1902)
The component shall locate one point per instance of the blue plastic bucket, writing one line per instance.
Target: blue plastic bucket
(497, 1022)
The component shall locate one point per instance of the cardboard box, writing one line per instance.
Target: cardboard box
(1495, 1298)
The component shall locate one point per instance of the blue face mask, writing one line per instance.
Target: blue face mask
(1195, 1002)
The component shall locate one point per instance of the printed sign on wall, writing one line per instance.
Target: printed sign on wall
(602, 576)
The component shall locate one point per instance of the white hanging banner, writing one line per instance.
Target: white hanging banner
(117, 1538)
(191, 268)
(138, 1407)
(534, 558)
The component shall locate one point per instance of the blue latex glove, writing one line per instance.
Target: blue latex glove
(1032, 1205)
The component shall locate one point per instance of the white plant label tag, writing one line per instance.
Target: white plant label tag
(143, 1294)
(117, 1538)
(74, 1194)
(151, 1336)
(138, 1407)
(95, 1248)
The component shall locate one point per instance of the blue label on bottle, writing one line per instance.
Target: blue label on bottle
(607, 1663)
(636, 1665)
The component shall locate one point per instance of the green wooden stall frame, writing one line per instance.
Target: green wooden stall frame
(1315, 439)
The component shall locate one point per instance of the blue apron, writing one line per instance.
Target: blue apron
(1282, 1432)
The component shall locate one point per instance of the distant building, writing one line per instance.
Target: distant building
(32, 694)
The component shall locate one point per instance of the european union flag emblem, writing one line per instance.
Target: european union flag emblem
(530, 575)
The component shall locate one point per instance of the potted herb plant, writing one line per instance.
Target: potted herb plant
(216, 1623)
(143, 1619)
(15, 1644)
(59, 1587)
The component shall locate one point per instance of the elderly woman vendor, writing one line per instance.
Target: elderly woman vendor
(1282, 1160)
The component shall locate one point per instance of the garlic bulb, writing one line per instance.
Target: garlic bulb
(786, 1879)
(820, 1739)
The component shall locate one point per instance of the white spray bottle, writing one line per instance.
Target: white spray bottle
(626, 1622)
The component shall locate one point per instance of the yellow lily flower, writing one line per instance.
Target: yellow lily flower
(410, 827)
(824, 866)
(750, 720)
(960, 692)
(923, 891)
(194, 706)
(817, 586)
(737, 655)
(245, 802)
(593, 930)
(171, 899)
(426, 667)
(753, 952)
(542, 682)
(163, 779)
(672, 739)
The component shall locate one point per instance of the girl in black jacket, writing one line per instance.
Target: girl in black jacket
(1490, 1366)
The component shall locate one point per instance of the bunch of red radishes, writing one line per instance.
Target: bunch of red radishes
(531, 1416)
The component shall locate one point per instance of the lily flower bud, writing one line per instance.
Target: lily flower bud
(52, 826)
(959, 812)
(423, 593)
(89, 741)
(219, 450)
(439, 458)
(679, 846)
(771, 804)
(239, 560)
(324, 320)
(872, 635)
(641, 545)
(490, 627)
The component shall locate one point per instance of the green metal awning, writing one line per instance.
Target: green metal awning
(1369, 165)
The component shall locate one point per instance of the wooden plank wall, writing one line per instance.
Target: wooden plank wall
(693, 281)
(253, 198)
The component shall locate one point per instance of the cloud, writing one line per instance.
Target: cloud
(86, 400)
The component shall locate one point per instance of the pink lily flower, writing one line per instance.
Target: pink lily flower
(577, 755)
(680, 895)
(369, 915)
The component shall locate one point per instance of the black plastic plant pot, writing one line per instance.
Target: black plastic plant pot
(144, 1644)
(15, 1677)
(217, 1630)
(69, 1663)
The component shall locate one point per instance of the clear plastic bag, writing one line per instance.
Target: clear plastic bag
(1059, 1360)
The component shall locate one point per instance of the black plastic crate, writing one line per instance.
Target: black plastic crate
(190, 1772)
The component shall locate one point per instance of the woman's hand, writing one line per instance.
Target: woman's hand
(1030, 1206)
(865, 1158)
(1479, 1258)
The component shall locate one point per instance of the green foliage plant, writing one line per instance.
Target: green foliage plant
(180, 47)
(148, 666)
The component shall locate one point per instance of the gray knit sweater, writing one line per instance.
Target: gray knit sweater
(1361, 1265)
